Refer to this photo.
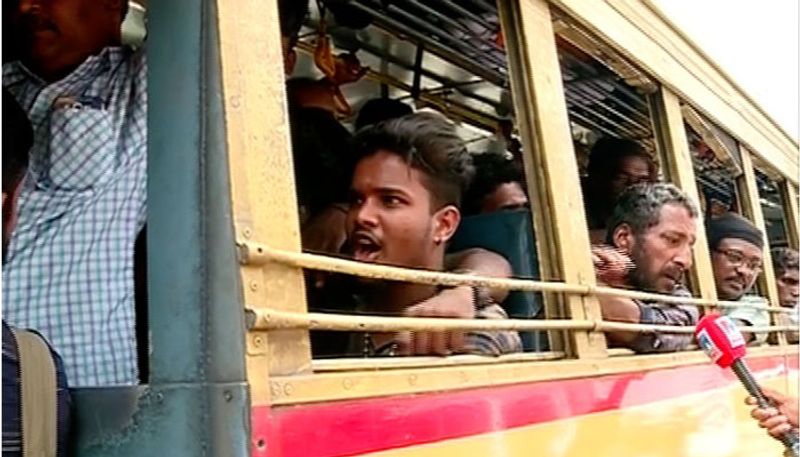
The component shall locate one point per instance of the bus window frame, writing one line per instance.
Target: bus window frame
(546, 131)
(789, 194)
(784, 189)
(549, 158)
(673, 147)
(648, 39)
(263, 193)
(751, 208)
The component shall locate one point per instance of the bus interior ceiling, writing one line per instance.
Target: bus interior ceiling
(449, 56)
(606, 95)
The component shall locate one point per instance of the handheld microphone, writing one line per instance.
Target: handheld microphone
(724, 344)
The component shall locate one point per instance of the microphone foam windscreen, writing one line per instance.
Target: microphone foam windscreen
(720, 339)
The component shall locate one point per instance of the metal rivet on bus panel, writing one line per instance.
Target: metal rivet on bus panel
(258, 341)
(348, 384)
(159, 398)
(228, 395)
(236, 101)
(253, 285)
(412, 379)
(247, 232)
(288, 389)
(275, 389)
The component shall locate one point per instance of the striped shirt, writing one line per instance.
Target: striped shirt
(660, 313)
(478, 342)
(70, 262)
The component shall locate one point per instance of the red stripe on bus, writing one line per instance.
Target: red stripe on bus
(354, 427)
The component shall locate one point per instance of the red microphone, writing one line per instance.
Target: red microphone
(724, 344)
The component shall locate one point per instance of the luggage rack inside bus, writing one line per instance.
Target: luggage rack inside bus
(452, 52)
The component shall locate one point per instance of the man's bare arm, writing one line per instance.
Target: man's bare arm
(620, 309)
(484, 263)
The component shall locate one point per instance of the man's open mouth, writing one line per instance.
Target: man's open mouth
(366, 247)
(675, 276)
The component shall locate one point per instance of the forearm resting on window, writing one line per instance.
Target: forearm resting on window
(483, 263)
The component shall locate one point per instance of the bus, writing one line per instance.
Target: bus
(229, 365)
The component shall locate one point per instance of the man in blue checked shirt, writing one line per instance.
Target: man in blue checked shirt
(70, 262)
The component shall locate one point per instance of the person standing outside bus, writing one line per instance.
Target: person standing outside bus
(17, 141)
(649, 247)
(782, 417)
(70, 261)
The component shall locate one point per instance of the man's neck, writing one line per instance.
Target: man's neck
(53, 71)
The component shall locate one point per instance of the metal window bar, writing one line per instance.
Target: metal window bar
(477, 68)
(254, 254)
(273, 319)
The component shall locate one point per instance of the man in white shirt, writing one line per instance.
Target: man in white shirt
(736, 246)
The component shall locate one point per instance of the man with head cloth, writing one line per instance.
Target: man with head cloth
(736, 246)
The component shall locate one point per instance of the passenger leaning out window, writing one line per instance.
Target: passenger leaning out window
(405, 205)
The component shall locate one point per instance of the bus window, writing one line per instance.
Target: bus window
(613, 132)
(733, 231)
(716, 164)
(361, 63)
(610, 120)
(773, 207)
(782, 258)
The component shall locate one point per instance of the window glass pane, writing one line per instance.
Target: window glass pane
(773, 208)
(716, 165)
(610, 119)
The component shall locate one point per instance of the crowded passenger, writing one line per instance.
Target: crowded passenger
(649, 247)
(736, 247)
(70, 261)
(304, 92)
(614, 164)
(292, 14)
(380, 109)
(497, 186)
(785, 262)
(406, 192)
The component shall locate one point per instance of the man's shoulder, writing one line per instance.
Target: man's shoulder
(753, 316)
(134, 59)
(752, 299)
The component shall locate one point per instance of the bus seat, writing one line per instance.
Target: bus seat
(510, 234)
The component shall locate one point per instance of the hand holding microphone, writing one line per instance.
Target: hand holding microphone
(721, 340)
(780, 418)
